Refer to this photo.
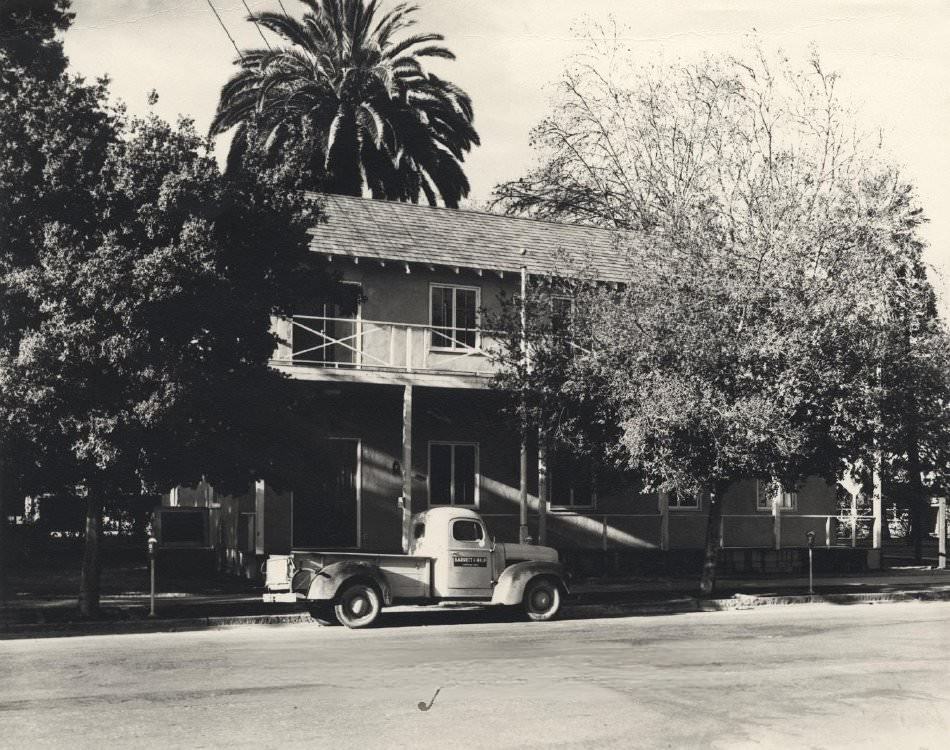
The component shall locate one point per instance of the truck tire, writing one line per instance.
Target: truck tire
(358, 605)
(542, 599)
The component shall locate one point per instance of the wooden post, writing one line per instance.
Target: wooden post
(523, 486)
(603, 533)
(542, 490)
(942, 533)
(523, 494)
(408, 348)
(777, 520)
(876, 509)
(828, 531)
(407, 447)
(664, 520)
(854, 520)
(392, 345)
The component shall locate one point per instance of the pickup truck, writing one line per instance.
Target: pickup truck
(449, 558)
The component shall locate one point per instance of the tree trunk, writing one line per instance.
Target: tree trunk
(917, 499)
(707, 583)
(3, 542)
(91, 561)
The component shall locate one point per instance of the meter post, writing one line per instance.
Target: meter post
(811, 547)
(152, 552)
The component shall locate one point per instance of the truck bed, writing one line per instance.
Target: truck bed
(409, 576)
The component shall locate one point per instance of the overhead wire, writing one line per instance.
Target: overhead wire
(225, 28)
(253, 19)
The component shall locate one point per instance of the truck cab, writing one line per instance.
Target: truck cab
(450, 557)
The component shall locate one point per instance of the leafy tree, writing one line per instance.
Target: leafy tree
(28, 39)
(356, 99)
(137, 287)
(766, 242)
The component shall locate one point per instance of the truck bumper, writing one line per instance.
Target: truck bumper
(280, 597)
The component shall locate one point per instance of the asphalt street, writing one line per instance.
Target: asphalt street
(806, 676)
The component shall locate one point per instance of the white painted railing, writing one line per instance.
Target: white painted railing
(357, 344)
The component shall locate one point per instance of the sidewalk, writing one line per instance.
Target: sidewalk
(128, 612)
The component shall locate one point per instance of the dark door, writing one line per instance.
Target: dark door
(326, 499)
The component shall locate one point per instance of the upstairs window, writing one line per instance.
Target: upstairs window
(453, 474)
(765, 492)
(682, 501)
(454, 316)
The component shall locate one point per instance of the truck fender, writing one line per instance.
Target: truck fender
(328, 582)
(515, 578)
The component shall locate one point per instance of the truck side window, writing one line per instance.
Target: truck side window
(419, 531)
(467, 531)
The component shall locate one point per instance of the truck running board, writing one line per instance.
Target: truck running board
(281, 597)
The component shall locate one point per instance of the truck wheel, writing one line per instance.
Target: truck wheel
(323, 613)
(542, 599)
(358, 606)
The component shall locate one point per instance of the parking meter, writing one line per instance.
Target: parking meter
(811, 546)
(152, 554)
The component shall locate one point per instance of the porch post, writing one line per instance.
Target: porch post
(664, 520)
(777, 519)
(942, 533)
(523, 486)
(542, 490)
(407, 446)
(876, 509)
(854, 520)
(283, 329)
(523, 496)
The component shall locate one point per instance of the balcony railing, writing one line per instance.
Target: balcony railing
(357, 344)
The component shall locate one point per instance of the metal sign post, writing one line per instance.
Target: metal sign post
(811, 548)
(152, 552)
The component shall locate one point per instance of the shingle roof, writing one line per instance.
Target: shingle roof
(411, 233)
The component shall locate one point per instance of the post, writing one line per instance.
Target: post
(392, 345)
(854, 520)
(828, 531)
(942, 533)
(408, 348)
(407, 447)
(603, 532)
(811, 546)
(542, 490)
(664, 520)
(777, 520)
(152, 552)
(523, 536)
(876, 509)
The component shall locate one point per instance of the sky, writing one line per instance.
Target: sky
(893, 58)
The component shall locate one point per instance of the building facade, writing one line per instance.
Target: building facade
(401, 405)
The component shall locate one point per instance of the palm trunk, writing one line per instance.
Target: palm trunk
(91, 560)
(707, 583)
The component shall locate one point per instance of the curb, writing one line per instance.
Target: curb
(570, 612)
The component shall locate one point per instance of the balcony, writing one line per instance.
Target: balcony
(314, 347)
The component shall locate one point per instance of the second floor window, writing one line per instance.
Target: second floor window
(454, 316)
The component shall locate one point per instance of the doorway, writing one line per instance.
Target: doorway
(326, 504)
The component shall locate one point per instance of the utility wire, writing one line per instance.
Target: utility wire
(233, 43)
(256, 24)
(283, 8)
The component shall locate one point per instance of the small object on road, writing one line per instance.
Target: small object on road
(422, 706)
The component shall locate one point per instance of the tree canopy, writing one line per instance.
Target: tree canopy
(777, 267)
(352, 94)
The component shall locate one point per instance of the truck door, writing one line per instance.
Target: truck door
(468, 559)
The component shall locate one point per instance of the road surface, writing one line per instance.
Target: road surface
(806, 676)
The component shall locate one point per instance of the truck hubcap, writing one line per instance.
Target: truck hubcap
(359, 606)
(541, 600)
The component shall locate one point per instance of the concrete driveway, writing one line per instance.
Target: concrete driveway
(809, 676)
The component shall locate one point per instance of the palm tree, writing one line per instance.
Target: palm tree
(358, 100)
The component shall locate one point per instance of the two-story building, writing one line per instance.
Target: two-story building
(402, 406)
